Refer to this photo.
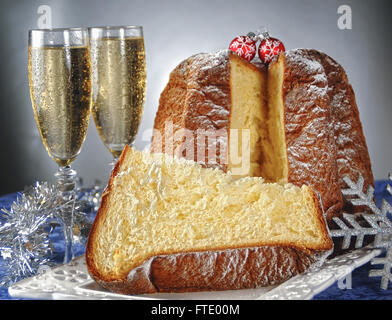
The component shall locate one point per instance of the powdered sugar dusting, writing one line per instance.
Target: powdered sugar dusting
(206, 61)
(304, 62)
(323, 130)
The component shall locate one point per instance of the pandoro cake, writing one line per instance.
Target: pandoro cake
(195, 214)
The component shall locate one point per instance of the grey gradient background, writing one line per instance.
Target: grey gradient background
(174, 30)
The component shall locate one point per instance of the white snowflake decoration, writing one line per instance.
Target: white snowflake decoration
(270, 48)
(380, 226)
(244, 46)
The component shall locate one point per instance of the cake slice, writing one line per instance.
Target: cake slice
(169, 225)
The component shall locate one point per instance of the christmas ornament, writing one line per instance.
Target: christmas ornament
(244, 46)
(379, 225)
(24, 241)
(269, 48)
(30, 231)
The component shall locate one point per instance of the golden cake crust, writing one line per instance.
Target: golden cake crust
(233, 269)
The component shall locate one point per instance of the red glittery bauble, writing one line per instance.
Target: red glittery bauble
(269, 48)
(244, 46)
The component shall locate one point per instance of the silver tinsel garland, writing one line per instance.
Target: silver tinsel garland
(24, 241)
(25, 229)
(379, 223)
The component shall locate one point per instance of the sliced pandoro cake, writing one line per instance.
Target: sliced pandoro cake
(170, 225)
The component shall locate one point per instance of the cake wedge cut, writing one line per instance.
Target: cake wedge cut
(169, 225)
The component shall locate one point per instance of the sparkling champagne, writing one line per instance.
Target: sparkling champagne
(60, 90)
(119, 88)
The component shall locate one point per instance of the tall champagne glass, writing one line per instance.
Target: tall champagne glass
(60, 90)
(118, 84)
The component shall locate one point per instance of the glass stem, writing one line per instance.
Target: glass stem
(66, 180)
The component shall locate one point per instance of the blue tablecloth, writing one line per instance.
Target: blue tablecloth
(362, 286)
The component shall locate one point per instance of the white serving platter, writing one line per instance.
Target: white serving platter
(72, 281)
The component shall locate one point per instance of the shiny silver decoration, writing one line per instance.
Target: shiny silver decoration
(389, 187)
(385, 272)
(24, 232)
(379, 225)
(25, 243)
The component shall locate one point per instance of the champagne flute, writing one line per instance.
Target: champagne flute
(118, 84)
(60, 90)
